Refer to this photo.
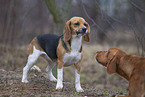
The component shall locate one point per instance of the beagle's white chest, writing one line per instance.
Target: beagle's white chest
(74, 56)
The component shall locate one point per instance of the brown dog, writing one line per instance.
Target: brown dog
(131, 67)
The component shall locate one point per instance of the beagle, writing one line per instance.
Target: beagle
(64, 49)
(131, 67)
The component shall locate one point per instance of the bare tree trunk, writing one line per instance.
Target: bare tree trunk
(9, 34)
(59, 13)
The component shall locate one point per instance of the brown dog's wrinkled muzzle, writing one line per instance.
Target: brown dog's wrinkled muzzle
(101, 57)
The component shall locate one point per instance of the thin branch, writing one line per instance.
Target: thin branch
(117, 20)
(110, 24)
(142, 44)
(105, 16)
(140, 40)
(94, 23)
(28, 12)
(136, 37)
(137, 6)
(102, 13)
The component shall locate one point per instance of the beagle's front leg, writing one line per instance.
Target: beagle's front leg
(77, 77)
(59, 75)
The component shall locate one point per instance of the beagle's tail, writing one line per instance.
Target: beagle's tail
(33, 43)
(31, 47)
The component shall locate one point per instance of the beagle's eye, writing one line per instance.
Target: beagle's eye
(85, 24)
(77, 24)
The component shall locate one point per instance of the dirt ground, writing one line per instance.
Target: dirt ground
(40, 86)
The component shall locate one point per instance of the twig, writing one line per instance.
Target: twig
(94, 23)
(105, 17)
(135, 5)
(140, 39)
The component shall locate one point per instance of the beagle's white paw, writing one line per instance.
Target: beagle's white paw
(79, 90)
(53, 79)
(25, 81)
(59, 86)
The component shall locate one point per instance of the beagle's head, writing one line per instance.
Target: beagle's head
(76, 26)
(110, 58)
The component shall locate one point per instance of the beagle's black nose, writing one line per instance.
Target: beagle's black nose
(84, 29)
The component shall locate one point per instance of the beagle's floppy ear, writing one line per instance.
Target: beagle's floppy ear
(87, 36)
(67, 31)
(111, 66)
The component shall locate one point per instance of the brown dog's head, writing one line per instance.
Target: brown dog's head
(76, 26)
(110, 58)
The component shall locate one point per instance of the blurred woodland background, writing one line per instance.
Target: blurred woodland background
(114, 23)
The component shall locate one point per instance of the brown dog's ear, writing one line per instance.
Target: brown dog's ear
(67, 31)
(111, 66)
(87, 36)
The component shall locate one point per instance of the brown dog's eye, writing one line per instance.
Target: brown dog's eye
(85, 24)
(77, 24)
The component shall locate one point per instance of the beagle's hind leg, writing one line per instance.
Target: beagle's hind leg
(34, 54)
(49, 68)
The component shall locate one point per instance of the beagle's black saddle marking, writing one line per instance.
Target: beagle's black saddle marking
(49, 43)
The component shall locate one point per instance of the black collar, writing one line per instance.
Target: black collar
(65, 46)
